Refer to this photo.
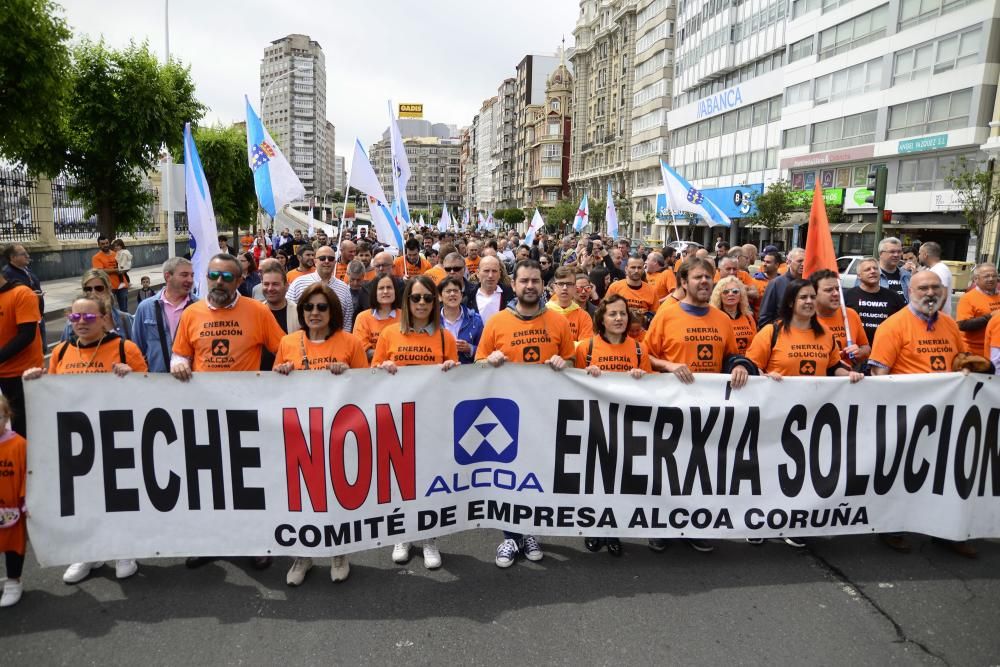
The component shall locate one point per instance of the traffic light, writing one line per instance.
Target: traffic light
(877, 180)
(887, 215)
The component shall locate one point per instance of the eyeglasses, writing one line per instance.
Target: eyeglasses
(94, 288)
(585, 288)
(417, 298)
(89, 318)
(452, 292)
(320, 307)
(454, 269)
(735, 290)
(325, 258)
(564, 285)
(226, 276)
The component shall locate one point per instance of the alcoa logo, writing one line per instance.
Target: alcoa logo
(486, 430)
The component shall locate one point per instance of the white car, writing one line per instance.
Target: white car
(847, 266)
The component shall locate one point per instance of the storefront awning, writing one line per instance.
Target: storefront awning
(927, 225)
(850, 227)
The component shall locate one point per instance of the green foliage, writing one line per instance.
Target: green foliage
(980, 201)
(511, 216)
(773, 207)
(34, 71)
(123, 105)
(562, 210)
(835, 214)
(223, 152)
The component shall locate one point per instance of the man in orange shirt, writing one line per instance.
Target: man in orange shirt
(525, 333)
(580, 322)
(472, 259)
(307, 263)
(347, 252)
(831, 316)
(20, 344)
(106, 260)
(660, 278)
(639, 295)
(977, 308)
(411, 263)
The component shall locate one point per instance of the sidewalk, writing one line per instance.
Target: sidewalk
(59, 294)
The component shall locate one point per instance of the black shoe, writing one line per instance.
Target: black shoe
(194, 562)
(614, 547)
(700, 545)
(657, 544)
(593, 543)
(261, 562)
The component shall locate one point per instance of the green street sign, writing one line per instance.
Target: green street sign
(922, 144)
(804, 198)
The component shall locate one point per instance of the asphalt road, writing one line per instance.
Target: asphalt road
(843, 601)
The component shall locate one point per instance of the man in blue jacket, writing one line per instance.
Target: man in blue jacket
(156, 318)
(776, 288)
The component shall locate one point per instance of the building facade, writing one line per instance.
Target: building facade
(502, 157)
(484, 132)
(434, 167)
(530, 78)
(547, 131)
(293, 105)
(339, 174)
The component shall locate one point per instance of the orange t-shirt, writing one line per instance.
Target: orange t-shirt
(370, 275)
(436, 273)
(581, 324)
(19, 305)
(742, 275)
(835, 325)
(367, 327)
(94, 358)
(991, 337)
(227, 339)
(341, 346)
(642, 298)
(13, 476)
(976, 304)
(472, 265)
(904, 345)
(663, 283)
(414, 349)
(340, 271)
(527, 341)
(744, 328)
(796, 352)
(109, 264)
(397, 267)
(295, 273)
(619, 358)
(702, 342)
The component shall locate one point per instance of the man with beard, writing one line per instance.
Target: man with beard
(525, 333)
(919, 339)
(977, 308)
(306, 265)
(347, 252)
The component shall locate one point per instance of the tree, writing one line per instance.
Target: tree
(34, 71)
(834, 214)
(564, 209)
(122, 106)
(773, 208)
(223, 152)
(980, 201)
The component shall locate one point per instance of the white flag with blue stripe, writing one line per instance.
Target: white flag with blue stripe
(445, 220)
(201, 218)
(273, 178)
(364, 179)
(682, 196)
(400, 170)
(536, 224)
(611, 215)
(582, 218)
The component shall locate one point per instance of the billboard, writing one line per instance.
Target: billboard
(411, 110)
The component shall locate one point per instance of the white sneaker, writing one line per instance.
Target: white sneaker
(339, 568)
(77, 572)
(125, 568)
(297, 572)
(11, 593)
(401, 552)
(432, 556)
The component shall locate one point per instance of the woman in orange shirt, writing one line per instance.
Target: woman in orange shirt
(93, 348)
(369, 324)
(417, 339)
(607, 350)
(320, 344)
(13, 534)
(730, 296)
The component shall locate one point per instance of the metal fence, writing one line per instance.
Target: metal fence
(17, 207)
(72, 224)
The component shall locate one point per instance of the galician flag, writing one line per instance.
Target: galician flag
(536, 224)
(422, 223)
(201, 217)
(682, 196)
(273, 178)
(445, 220)
(611, 215)
(400, 170)
(465, 220)
(582, 218)
(363, 178)
(482, 221)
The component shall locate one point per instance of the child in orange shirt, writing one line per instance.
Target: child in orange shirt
(13, 533)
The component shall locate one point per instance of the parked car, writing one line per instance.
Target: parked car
(847, 266)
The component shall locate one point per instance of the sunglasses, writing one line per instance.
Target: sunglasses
(227, 276)
(454, 269)
(417, 298)
(326, 258)
(731, 291)
(321, 307)
(89, 318)
(94, 288)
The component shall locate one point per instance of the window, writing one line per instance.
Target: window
(796, 136)
(742, 163)
(772, 158)
(652, 119)
(775, 108)
(934, 114)
(853, 33)
(947, 53)
(703, 130)
(551, 151)
(800, 7)
(760, 113)
(727, 165)
(651, 92)
(743, 118)
(659, 60)
(849, 82)
(554, 105)
(551, 170)
(729, 122)
(800, 92)
(551, 195)
(926, 173)
(715, 126)
(553, 128)
(662, 31)
(648, 13)
(912, 12)
(846, 131)
(800, 49)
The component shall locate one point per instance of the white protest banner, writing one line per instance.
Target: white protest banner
(314, 464)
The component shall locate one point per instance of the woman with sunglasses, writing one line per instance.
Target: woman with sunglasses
(417, 340)
(611, 350)
(96, 284)
(730, 296)
(386, 296)
(93, 348)
(465, 324)
(320, 344)
(251, 276)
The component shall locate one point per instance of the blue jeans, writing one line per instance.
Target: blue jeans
(122, 295)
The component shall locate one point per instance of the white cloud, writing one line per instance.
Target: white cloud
(453, 56)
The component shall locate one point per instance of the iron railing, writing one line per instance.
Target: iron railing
(18, 206)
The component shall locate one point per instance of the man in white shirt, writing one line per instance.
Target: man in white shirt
(490, 296)
(325, 259)
(930, 256)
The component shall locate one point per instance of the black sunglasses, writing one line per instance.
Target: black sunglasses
(326, 258)
(321, 307)
(94, 288)
(417, 298)
(227, 276)
(454, 269)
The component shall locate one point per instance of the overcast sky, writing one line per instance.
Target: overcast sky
(454, 54)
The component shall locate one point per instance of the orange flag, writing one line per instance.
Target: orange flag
(819, 243)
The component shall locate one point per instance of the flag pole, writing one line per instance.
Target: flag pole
(343, 218)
